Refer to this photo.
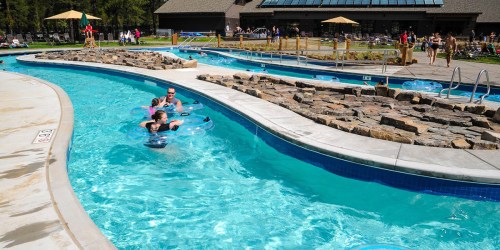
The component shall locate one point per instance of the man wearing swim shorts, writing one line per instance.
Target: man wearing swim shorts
(451, 47)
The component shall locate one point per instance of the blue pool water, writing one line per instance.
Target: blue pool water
(216, 59)
(230, 190)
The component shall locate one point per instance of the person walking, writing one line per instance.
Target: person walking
(435, 42)
(137, 35)
(451, 47)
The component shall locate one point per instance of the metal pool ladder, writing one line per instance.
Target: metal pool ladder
(457, 69)
(481, 98)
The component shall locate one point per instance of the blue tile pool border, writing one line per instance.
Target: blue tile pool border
(335, 165)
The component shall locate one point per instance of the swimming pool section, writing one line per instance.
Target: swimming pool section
(349, 169)
(342, 167)
(308, 73)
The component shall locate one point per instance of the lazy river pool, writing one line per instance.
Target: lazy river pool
(230, 189)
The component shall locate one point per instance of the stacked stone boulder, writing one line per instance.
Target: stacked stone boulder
(140, 59)
(378, 112)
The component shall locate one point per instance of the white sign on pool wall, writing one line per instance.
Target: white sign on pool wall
(367, 78)
(44, 136)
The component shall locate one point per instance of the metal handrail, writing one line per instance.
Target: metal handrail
(338, 53)
(481, 98)
(187, 41)
(205, 45)
(455, 70)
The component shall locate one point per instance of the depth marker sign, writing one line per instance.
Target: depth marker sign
(44, 136)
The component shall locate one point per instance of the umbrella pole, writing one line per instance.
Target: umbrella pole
(71, 27)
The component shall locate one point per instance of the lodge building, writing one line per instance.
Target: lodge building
(373, 16)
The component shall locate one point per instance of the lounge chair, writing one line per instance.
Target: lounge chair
(110, 37)
(10, 38)
(67, 38)
(47, 39)
(56, 38)
(29, 39)
(20, 38)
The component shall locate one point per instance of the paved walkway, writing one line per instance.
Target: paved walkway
(38, 209)
(37, 205)
(439, 71)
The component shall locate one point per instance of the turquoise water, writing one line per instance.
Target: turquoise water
(232, 63)
(230, 190)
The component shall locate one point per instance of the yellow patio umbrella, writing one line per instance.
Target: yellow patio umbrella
(71, 15)
(340, 20)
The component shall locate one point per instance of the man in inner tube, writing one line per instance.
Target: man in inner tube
(171, 100)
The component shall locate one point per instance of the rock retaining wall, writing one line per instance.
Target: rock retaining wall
(140, 59)
(379, 112)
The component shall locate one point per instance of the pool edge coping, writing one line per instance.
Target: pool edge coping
(73, 217)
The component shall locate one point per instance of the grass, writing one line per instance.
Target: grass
(481, 59)
(44, 45)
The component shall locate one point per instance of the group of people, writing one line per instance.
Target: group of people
(159, 118)
(432, 43)
(128, 37)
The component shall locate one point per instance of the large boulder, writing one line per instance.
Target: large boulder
(189, 64)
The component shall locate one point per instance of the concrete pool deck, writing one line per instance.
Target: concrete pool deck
(37, 202)
(38, 209)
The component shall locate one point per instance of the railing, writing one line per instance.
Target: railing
(187, 42)
(209, 42)
(301, 56)
(457, 69)
(481, 98)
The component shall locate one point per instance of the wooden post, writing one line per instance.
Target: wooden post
(174, 39)
(286, 42)
(335, 44)
(280, 44)
(405, 52)
(218, 40)
(241, 41)
(268, 41)
(347, 44)
(297, 44)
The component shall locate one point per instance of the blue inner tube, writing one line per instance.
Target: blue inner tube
(141, 112)
(192, 125)
(419, 85)
(327, 78)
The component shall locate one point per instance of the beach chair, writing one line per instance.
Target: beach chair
(29, 39)
(20, 38)
(67, 38)
(47, 39)
(10, 38)
(56, 38)
(110, 37)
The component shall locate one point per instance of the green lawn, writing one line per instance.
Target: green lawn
(480, 59)
(44, 45)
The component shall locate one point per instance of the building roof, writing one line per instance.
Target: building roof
(488, 10)
(195, 6)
